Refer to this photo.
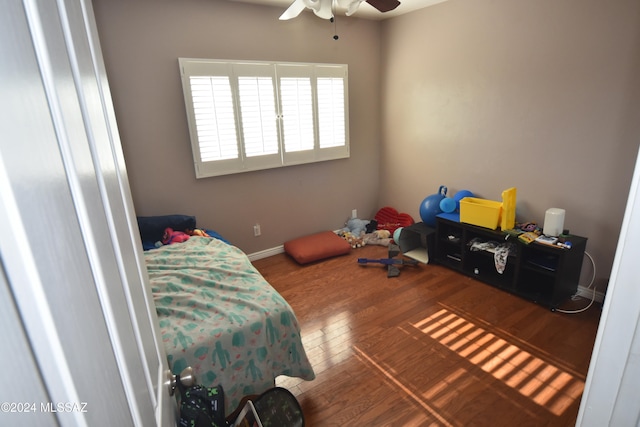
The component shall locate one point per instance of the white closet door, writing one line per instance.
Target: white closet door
(69, 241)
(23, 389)
(610, 395)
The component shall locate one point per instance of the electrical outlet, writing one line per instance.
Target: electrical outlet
(256, 230)
(354, 213)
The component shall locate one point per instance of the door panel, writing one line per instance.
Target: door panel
(69, 242)
(25, 389)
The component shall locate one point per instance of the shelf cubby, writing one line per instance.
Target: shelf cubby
(542, 273)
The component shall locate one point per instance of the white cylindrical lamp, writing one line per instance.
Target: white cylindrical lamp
(553, 222)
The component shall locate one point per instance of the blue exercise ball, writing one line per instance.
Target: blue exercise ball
(461, 195)
(448, 205)
(430, 206)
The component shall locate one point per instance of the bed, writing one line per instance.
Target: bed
(218, 315)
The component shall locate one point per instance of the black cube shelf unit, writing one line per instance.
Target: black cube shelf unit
(542, 273)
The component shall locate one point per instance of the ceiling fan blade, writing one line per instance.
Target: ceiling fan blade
(322, 8)
(353, 6)
(294, 10)
(384, 5)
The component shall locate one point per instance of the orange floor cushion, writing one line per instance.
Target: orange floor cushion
(317, 246)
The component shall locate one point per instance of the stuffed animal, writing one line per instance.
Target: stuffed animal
(378, 237)
(171, 236)
(382, 234)
(197, 232)
(355, 241)
(356, 226)
(352, 239)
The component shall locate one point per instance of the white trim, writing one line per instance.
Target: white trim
(266, 253)
(585, 292)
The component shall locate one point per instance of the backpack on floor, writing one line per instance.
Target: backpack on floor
(202, 406)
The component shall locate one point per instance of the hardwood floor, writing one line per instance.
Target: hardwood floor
(430, 347)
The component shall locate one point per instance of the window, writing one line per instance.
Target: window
(247, 116)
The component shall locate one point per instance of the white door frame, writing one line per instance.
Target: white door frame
(78, 302)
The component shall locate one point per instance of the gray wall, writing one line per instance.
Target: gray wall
(142, 42)
(543, 96)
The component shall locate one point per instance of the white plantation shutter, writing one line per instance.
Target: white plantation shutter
(255, 115)
(211, 114)
(331, 112)
(258, 113)
(297, 100)
(297, 113)
(214, 117)
(333, 107)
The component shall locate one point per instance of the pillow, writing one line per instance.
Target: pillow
(317, 246)
(152, 227)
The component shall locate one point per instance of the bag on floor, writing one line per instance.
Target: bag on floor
(202, 407)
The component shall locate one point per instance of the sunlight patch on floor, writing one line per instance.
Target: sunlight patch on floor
(543, 383)
(329, 344)
(432, 411)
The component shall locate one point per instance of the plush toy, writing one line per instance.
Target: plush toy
(390, 219)
(352, 239)
(171, 236)
(197, 232)
(378, 237)
(356, 226)
(382, 234)
(356, 241)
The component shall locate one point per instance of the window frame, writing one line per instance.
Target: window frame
(194, 67)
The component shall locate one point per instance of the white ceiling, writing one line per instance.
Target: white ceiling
(364, 11)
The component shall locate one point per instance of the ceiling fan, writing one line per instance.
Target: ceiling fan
(324, 8)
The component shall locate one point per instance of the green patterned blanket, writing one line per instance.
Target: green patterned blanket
(218, 315)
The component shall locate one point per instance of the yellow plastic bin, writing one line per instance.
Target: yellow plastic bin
(508, 217)
(480, 212)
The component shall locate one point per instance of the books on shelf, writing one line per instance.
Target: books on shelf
(528, 237)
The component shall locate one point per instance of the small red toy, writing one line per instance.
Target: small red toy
(171, 236)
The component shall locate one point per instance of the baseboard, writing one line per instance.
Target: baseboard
(269, 252)
(266, 253)
(588, 293)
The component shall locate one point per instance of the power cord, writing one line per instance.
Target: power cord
(593, 297)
